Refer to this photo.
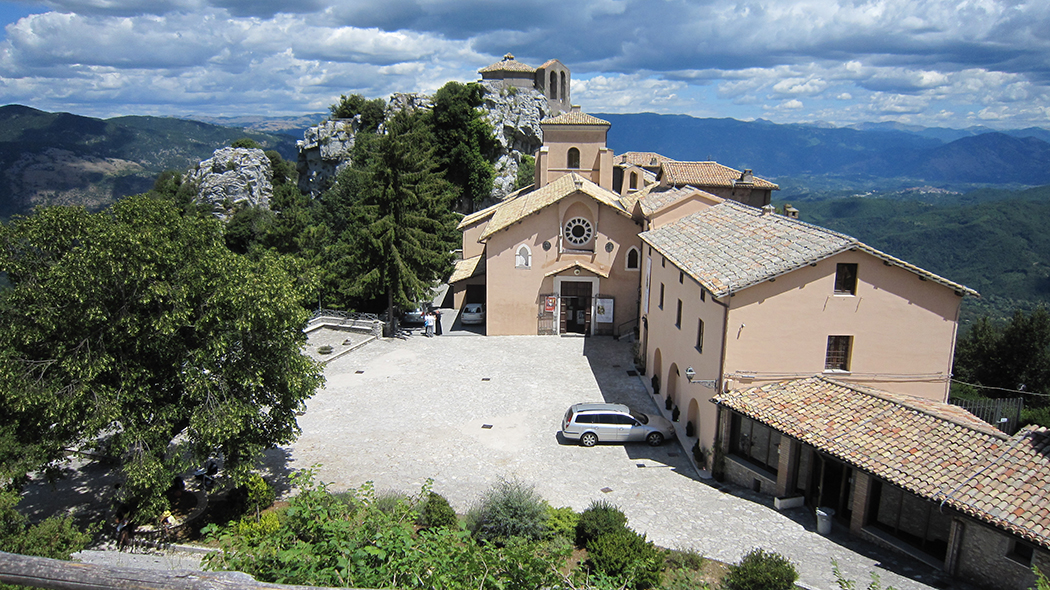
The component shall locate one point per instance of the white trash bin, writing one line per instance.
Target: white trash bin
(824, 516)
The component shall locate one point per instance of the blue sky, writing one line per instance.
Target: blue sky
(952, 63)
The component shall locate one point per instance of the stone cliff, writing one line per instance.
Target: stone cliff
(233, 176)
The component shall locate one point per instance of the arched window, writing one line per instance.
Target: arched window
(632, 258)
(554, 85)
(523, 259)
(634, 181)
(564, 90)
(574, 158)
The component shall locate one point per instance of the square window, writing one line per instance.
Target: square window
(846, 278)
(838, 355)
(1021, 552)
(678, 316)
(661, 295)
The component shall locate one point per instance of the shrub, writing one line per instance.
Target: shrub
(56, 537)
(700, 455)
(256, 529)
(561, 522)
(687, 559)
(436, 512)
(259, 495)
(626, 555)
(684, 579)
(668, 403)
(675, 414)
(759, 570)
(690, 429)
(509, 509)
(598, 519)
(391, 503)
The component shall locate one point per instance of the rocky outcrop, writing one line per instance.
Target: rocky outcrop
(515, 115)
(408, 101)
(234, 176)
(323, 152)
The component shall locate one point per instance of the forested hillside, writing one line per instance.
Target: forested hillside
(61, 158)
(994, 241)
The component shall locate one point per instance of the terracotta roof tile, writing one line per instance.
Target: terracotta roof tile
(467, 268)
(731, 246)
(575, 117)
(934, 450)
(643, 159)
(514, 209)
(508, 64)
(708, 174)
(660, 197)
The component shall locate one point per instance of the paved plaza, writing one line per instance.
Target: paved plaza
(467, 410)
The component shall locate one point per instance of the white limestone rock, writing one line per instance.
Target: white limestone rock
(515, 115)
(233, 176)
(323, 152)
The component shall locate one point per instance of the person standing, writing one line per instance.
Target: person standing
(428, 323)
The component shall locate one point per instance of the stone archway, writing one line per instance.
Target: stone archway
(657, 368)
(693, 415)
(672, 383)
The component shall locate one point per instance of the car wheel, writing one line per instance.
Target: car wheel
(589, 439)
(655, 439)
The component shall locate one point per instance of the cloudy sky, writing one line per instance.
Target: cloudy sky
(951, 63)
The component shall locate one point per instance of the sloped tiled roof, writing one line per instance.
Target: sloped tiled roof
(469, 220)
(704, 174)
(467, 268)
(643, 159)
(731, 246)
(508, 64)
(510, 211)
(934, 450)
(660, 197)
(575, 117)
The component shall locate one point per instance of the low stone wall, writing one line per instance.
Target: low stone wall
(743, 474)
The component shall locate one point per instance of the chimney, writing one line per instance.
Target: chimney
(747, 177)
(574, 108)
(790, 211)
(768, 210)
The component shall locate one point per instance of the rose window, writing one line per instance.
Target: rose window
(578, 231)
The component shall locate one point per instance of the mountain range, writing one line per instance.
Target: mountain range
(62, 158)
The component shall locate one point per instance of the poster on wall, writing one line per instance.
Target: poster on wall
(603, 311)
(549, 303)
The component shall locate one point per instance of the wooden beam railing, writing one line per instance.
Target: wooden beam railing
(41, 572)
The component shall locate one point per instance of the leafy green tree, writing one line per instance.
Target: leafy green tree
(246, 142)
(399, 232)
(372, 112)
(137, 328)
(526, 172)
(57, 537)
(1010, 357)
(465, 141)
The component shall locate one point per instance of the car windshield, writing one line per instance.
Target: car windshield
(640, 417)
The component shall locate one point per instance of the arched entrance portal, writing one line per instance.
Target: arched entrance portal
(672, 383)
(657, 367)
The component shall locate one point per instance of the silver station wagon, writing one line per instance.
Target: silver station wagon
(598, 422)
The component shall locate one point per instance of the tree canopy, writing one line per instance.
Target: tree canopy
(137, 331)
(465, 141)
(391, 211)
(372, 111)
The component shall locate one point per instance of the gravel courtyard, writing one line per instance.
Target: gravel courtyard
(466, 410)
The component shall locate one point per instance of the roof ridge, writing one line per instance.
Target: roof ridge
(992, 430)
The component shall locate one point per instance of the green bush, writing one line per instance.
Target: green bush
(509, 509)
(391, 502)
(598, 519)
(685, 559)
(436, 512)
(1040, 416)
(684, 579)
(626, 555)
(759, 570)
(55, 537)
(259, 494)
(261, 527)
(561, 522)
